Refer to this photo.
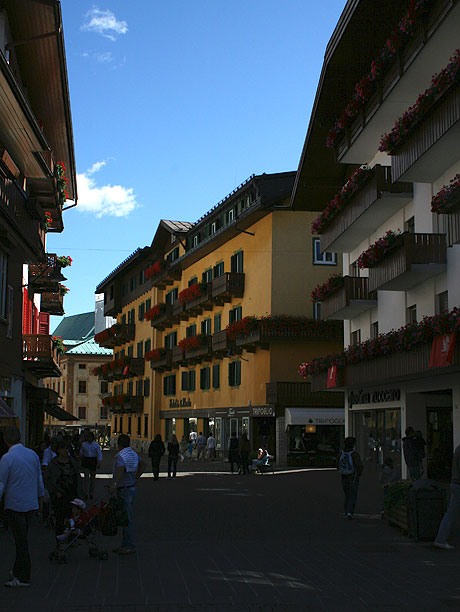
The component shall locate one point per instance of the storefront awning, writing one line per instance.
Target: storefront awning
(58, 413)
(314, 416)
(6, 412)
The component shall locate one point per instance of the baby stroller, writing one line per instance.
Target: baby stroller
(102, 518)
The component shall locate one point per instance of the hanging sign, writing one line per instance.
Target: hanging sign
(332, 377)
(442, 351)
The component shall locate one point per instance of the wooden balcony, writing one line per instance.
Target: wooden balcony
(45, 277)
(134, 404)
(164, 319)
(163, 363)
(369, 207)
(113, 299)
(416, 258)
(177, 357)
(53, 303)
(348, 301)
(222, 345)
(227, 286)
(300, 394)
(125, 334)
(167, 277)
(203, 352)
(391, 368)
(262, 337)
(409, 74)
(135, 368)
(200, 303)
(40, 355)
(24, 217)
(432, 146)
(179, 313)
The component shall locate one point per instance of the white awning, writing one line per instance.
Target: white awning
(314, 416)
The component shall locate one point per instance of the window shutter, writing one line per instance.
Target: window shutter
(230, 370)
(233, 263)
(165, 385)
(237, 373)
(44, 323)
(185, 381)
(191, 380)
(146, 387)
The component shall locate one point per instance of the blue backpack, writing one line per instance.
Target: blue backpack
(346, 467)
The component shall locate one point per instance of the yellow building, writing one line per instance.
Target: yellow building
(229, 318)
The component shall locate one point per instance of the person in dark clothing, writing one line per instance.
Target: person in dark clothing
(244, 450)
(173, 456)
(63, 481)
(350, 468)
(233, 457)
(156, 452)
(412, 457)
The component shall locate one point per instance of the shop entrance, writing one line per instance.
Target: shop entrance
(439, 442)
(264, 433)
(378, 436)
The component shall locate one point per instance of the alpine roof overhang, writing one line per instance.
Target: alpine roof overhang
(38, 41)
(163, 234)
(359, 35)
(131, 261)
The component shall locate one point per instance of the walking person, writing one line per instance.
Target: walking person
(173, 456)
(412, 455)
(211, 446)
(233, 457)
(21, 484)
(90, 458)
(201, 446)
(63, 484)
(244, 451)
(127, 469)
(350, 468)
(453, 510)
(156, 452)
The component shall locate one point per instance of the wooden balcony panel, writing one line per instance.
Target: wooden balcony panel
(300, 394)
(135, 404)
(126, 334)
(202, 302)
(167, 277)
(164, 320)
(369, 207)
(164, 363)
(424, 55)
(53, 303)
(432, 147)
(179, 313)
(177, 357)
(40, 355)
(46, 276)
(418, 258)
(136, 368)
(349, 301)
(202, 352)
(227, 286)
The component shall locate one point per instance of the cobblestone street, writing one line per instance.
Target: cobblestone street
(215, 541)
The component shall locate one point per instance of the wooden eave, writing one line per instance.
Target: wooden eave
(126, 266)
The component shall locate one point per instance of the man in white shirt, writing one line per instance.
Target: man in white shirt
(211, 444)
(90, 459)
(21, 483)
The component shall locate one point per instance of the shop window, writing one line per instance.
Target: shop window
(205, 378)
(325, 259)
(82, 386)
(441, 300)
(169, 385)
(216, 376)
(245, 426)
(171, 340)
(82, 412)
(234, 373)
(217, 323)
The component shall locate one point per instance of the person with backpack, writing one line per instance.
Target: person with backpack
(350, 469)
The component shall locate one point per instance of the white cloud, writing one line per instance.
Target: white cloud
(101, 58)
(104, 23)
(112, 200)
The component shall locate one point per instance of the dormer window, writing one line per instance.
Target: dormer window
(196, 240)
(172, 238)
(213, 228)
(230, 215)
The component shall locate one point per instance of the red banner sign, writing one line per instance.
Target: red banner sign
(332, 377)
(442, 351)
(125, 370)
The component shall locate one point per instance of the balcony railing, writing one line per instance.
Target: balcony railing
(200, 303)
(177, 357)
(178, 312)
(417, 258)
(227, 286)
(164, 319)
(201, 352)
(53, 303)
(388, 369)
(46, 276)
(40, 355)
(126, 334)
(432, 147)
(222, 345)
(262, 337)
(162, 363)
(166, 277)
(369, 207)
(132, 404)
(348, 301)
(300, 394)
(134, 368)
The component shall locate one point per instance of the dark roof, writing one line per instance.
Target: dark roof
(76, 327)
(125, 264)
(359, 35)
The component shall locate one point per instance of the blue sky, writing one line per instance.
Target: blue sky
(174, 104)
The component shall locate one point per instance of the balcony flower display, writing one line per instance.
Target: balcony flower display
(192, 342)
(377, 251)
(63, 290)
(64, 261)
(321, 291)
(406, 124)
(339, 201)
(192, 292)
(447, 196)
(62, 182)
(155, 354)
(102, 336)
(96, 371)
(113, 365)
(407, 338)
(58, 343)
(123, 361)
(281, 325)
(364, 89)
(155, 312)
(48, 220)
(155, 268)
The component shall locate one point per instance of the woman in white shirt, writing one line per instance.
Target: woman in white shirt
(90, 460)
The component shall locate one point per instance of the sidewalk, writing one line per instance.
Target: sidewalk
(229, 543)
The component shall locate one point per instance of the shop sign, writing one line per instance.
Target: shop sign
(263, 411)
(374, 397)
(186, 402)
(333, 421)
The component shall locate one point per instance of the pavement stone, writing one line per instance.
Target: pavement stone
(216, 541)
